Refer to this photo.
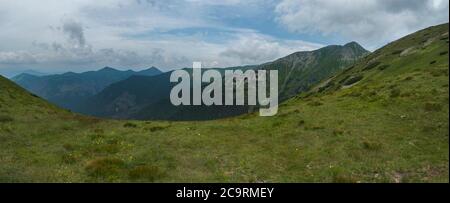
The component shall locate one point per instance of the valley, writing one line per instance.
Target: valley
(378, 117)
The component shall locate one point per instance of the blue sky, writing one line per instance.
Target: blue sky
(80, 35)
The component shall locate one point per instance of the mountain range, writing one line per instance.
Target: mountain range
(70, 89)
(146, 97)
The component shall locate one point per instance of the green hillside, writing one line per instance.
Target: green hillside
(385, 119)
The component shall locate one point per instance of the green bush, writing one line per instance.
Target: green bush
(315, 103)
(354, 79)
(371, 65)
(301, 123)
(344, 79)
(130, 125)
(156, 128)
(372, 145)
(396, 52)
(384, 67)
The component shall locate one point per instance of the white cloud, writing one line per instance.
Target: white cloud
(83, 34)
(78, 35)
(371, 22)
(254, 48)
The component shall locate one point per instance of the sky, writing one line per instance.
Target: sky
(79, 35)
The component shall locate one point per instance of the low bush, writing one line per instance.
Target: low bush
(156, 128)
(396, 52)
(384, 67)
(130, 125)
(372, 145)
(354, 79)
(371, 65)
(315, 103)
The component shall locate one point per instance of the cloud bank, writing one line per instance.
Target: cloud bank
(80, 35)
(371, 22)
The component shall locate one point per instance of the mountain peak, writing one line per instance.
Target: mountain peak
(107, 68)
(354, 45)
(150, 71)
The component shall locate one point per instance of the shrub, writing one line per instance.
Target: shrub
(432, 62)
(354, 79)
(344, 79)
(301, 123)
(371, 65)
(148, 173)
(443, 53)
(130, 125)
(102, 167)
(371, 145)
(338, 132)
(325, 87)
(33, 95)
(384, 67)
(396, 52)
(5, 119)
(315, 103)
(156, 128)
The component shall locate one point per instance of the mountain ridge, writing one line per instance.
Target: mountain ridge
(69, 89)
(130, 99)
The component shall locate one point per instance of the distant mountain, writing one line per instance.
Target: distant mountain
(299, 71)
(70, 89)
(141, 97)
(12, 72)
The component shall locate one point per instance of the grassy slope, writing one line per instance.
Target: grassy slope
(392, 126)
